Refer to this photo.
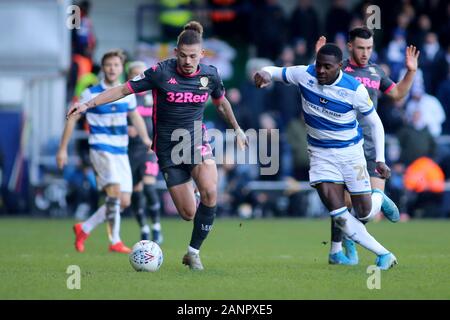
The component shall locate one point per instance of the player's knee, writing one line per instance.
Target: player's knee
(208, 196)
(362, 209)
(125, 202)
(187, 214)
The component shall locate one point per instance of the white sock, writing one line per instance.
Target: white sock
(98, 217)
(355, 230)
(156, 226)
(335, 247)
(145, 229)
(115, 236)
(193, 250)
(377, 199)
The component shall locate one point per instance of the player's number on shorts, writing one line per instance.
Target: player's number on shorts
(361, 172)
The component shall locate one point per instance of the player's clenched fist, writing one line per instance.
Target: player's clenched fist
(262, 79)
(76, 108)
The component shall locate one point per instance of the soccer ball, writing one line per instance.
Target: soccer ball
(146, 256)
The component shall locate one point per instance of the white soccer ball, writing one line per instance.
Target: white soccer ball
(146, 256)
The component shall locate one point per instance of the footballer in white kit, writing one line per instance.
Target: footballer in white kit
(108, 148)
(331, 101)
(334, 137)
(108, 139)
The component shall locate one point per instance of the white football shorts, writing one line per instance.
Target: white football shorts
(340, 165)
(112, 169)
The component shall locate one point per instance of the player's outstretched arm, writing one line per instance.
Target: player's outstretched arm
(265, 76)
(377, 131)
(61, 154)
(107, 96)
(403, 86)
(226, 112)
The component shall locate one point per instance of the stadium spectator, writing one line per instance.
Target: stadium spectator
(425, 181)
(268, 27)
(395, 53)
(256, 101)
(423, 28)
(443, 95)
(302, 53)
(338, 19)
(83, 39)
(304, 24)
(415, 139)
(173, 15)
(284, 99)
(432, 114)
(296, 135)
(433, 63)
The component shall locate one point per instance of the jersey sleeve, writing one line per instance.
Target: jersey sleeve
(362, 101)
(293, 75)
(386, 84)
(218, 89)
(145, 81)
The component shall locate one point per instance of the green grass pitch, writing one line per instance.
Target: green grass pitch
(243, 259)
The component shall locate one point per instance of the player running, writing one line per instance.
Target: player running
(144, 166)
(108, 141)
(330, 102)
(358, 65)
(180, 88)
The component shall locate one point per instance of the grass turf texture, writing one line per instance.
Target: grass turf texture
(243, 259)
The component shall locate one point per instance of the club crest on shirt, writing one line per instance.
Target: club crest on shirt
(204, 82)
(373, 71)
(139, 77)
(342, 93)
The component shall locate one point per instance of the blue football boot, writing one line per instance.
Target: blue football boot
(386, 261)
(350, 250)
(388, 207)
(338, 258)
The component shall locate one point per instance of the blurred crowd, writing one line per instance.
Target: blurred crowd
(418, 127)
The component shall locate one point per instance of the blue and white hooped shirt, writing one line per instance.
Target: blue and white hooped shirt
(330, 110)
(108, 130)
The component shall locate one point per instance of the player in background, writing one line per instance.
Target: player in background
(358, 65)
(108, 141)
(144, 165)
(330, 102)
(181, 87)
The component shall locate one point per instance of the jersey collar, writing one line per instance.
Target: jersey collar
(188, 75)
(105, 86)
